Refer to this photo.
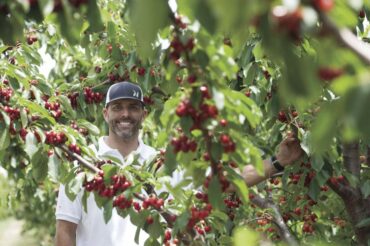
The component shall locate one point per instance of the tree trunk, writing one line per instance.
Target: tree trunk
(358, 209)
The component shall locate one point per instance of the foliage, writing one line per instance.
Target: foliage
(223, 89)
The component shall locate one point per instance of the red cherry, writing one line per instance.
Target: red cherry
(223, 122)
(149, 220)
(327, 73)
(324, 5)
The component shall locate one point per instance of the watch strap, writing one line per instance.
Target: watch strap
(276, 164)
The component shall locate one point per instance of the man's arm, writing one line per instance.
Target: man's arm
(65, 233)
(289, 152)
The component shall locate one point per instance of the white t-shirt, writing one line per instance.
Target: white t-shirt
(91, 227)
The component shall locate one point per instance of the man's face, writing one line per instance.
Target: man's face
(124, 117)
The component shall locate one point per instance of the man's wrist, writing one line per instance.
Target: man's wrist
(277, 165)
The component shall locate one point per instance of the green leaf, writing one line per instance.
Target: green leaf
(205, 16)
(34, 107)
(64, 101)
(214, 194)
(4, 137)
(241, 235)
(151, 242)
(31, 145)
(6, 119)
(24, 118)
(239, 183)
(170, 162)
(363, 223)
(314, 190)
(108, 207)
(54, 167)
(147, 17)
(91, 127)
(168, 116)
(155, 229)
(317, 162)
(365, 189)
(39, 164)
(94, 17)
(74, 186)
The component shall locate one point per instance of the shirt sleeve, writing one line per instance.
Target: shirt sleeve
(66, 209)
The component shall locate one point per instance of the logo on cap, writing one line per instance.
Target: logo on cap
(135, 93)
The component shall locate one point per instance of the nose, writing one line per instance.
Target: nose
(125, 112)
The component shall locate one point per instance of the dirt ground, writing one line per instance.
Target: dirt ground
(11, 234)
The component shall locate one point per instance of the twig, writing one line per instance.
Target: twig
(278, 219)
(81, 160)
(347, 38)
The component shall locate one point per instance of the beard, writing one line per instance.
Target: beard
(125, 128)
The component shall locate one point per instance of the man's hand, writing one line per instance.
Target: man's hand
(289, 151)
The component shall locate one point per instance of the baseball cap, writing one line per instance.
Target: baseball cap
(124, 90)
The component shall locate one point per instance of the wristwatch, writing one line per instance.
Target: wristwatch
(276, 164)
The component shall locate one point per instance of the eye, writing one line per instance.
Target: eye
(116, 107)
(135, 107)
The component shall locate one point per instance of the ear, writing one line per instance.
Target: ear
(145, 114)
(105, 114)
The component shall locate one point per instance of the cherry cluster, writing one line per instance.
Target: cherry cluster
(31, 39)
(228, 144)
(122, 202)
(179, 23)
(178, 47)
(148, 100)
(118, 183)
(55, 138)
(74, 148)
(288, 22)
(23, 133)
(232, 203)
(5, 94)
(336, 180)
(73, 99)
(92, 97)
(206, 111)
(167, 239)
(81, 130)
(283, 117)
(154, 202)
(184, 144)
(199, 215)
(13, 113)
(54, 108)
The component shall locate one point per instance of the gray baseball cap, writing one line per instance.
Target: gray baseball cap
(124, 90)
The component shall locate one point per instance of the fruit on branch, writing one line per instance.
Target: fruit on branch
(149, 220)
(141, 71)
(184, 144)
(205, 92)
(282, 117)
(55, 138)
(328, 73)
(323, 5)
(287, 21)
(92, 97)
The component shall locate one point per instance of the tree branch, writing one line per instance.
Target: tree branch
(346, 38)
(79, 158)
(278, 219)
(351, 158)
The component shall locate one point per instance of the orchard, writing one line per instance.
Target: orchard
(224, 82)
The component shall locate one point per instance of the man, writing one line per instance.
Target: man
(124, 112)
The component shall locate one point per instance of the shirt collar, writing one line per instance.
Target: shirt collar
(104, 149)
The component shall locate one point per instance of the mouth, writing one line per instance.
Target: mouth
(124, 123)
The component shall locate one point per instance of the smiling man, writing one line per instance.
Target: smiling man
(124, 113)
